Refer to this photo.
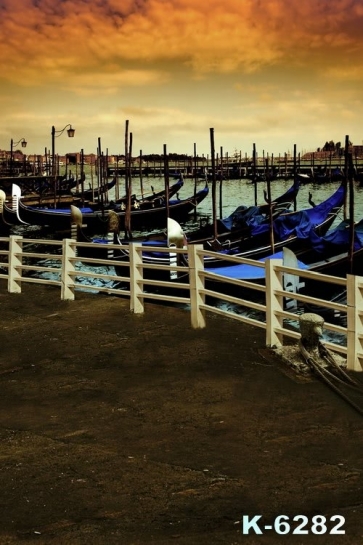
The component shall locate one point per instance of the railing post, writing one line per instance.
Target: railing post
(274, 303)
(136, 277)
(15, 261)
(354, 323)
(68, 280)
(196, 283)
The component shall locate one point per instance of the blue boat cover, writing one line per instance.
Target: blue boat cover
(301, 223)
(250, 216)
(84, 210)
(243, 216)
(249, 272)
(339, 238)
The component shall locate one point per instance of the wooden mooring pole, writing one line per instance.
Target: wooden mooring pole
(214, 204)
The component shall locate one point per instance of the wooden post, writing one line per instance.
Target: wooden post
(15, 261)
(105, 177)
(67, 279)
(270, 207)
(295, 175)
(274, 303)
(195, 178)
(83, 176)
(286, 166)
(254, 166)
(221, 186)
(351, 215)
(127, 217)
(92, 180)
(166, 179)
(214, 196)
(128, 229)
(196, 284)
(100, 173)
(136, 278)
(126, 153)
(140, 175)
(354, 323)
(346, 174)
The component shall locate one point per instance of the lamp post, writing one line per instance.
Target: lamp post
(55, 134)
(12, 144)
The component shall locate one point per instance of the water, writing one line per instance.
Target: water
(236, 193)
(242, 192)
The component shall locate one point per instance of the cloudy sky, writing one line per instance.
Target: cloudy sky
(270, 72)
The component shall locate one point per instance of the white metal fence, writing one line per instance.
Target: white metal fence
(22, 260)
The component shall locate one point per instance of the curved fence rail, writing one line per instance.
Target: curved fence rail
(58, 263)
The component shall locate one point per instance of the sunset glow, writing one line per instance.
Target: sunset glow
(272, 72)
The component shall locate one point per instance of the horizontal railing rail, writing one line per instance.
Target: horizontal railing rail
(61, 264)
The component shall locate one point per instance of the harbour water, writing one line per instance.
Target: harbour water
(242, 192)
(233, 194)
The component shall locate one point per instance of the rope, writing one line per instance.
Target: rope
(329, 357)
(325, 375)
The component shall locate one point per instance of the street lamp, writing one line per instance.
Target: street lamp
(55, 134)
(12, 144)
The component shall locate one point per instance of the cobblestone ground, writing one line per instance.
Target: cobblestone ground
(117, 428)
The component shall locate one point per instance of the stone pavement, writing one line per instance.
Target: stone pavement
(118, 428)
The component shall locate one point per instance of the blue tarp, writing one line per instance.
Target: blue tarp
(242, 217)
(339, 238)
(250, 216)
(249, 272)
(302, 222)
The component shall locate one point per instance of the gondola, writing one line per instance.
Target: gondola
(326, 255)
(4, 227)
(96, 221)
(95, 193)
(42, 214)
(95, 196)
(238, 225)
(293, 229)
(38, 184)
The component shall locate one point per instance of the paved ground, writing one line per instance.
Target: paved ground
(125, 429)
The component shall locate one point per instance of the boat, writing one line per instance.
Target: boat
(39, 185)
(320, 217)
(326, 255)
(321, 176)
(94, 193)
(95, 196)
(238, 221)
(97, 221)
(63, 203)
(141, 200)
(238, 225)
(290, 229)
(4, 227)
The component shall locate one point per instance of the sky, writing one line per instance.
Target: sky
(274, 73)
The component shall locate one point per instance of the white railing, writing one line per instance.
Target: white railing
(22, 261)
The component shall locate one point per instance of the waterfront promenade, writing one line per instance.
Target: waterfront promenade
(130, 429)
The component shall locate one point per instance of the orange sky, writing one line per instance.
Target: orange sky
(271, 72)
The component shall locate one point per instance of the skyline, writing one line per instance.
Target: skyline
(275, 73)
